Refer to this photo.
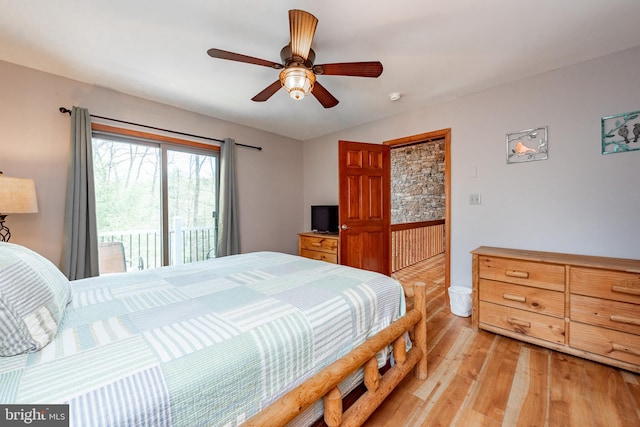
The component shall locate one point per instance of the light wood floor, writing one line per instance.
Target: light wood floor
(483, 379)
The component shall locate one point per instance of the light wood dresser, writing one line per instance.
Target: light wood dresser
(582, 305)
(325, 247)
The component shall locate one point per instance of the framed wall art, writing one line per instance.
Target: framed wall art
(527, 145)
(621, 133)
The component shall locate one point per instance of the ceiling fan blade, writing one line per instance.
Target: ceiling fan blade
(302, 26)
(356, 69)
(223, 54)
(267, 92)
(323, 96)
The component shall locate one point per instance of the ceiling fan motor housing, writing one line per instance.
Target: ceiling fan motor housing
(289, 60)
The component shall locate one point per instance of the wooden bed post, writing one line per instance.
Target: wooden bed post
(333, 408)
(420, 331)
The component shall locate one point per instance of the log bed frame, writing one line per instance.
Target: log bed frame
(325, 383)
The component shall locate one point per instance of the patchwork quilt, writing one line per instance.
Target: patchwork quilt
(208, 343)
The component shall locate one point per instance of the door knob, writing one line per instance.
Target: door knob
(344, 227)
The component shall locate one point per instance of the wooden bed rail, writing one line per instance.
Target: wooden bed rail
(325, 383)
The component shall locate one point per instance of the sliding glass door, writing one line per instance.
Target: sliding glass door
(192, 193)
(155, 203)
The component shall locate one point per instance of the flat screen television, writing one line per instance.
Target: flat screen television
(324, 218)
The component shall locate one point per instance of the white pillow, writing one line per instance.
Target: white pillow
(33, 297)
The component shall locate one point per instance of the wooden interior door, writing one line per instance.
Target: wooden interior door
(365, 205)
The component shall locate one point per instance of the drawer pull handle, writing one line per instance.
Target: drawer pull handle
(512, 297)
(625, 290)
(316, 244)
(517, 273)
(624, 348)
(624, 319)
(517, 322)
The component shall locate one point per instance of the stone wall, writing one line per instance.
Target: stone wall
(417, 182)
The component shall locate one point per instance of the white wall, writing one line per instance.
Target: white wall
(577, 201)
(34, 143)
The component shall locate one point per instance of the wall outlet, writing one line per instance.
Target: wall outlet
(474, 199)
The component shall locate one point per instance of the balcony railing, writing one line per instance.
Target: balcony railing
(143, 248)
(411, 243)
(416, 241)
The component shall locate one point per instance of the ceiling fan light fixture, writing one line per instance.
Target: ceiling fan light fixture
(298, 81)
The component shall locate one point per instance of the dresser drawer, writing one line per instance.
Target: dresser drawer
(520, 294)
(536, 300)
(614, 344)
(614, 285)
(522, 322)
(322, 256)
(322, 244)
(536, 274)
(621, 316)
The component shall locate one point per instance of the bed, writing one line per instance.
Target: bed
(254, 339)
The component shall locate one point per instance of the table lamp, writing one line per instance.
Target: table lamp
(17, 195)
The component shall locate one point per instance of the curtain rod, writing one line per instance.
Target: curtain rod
(66, 110)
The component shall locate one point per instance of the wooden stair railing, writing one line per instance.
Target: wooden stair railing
(416, 241)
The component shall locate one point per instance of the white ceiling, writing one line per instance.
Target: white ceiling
(431, 50)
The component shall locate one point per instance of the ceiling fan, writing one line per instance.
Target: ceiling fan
(298, 75)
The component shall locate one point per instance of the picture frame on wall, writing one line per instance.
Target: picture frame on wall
(527, 145)
(621, 133)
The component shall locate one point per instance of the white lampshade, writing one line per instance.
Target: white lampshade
(298, 81)
(17, 195)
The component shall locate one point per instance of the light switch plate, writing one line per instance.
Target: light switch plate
(474, 199)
